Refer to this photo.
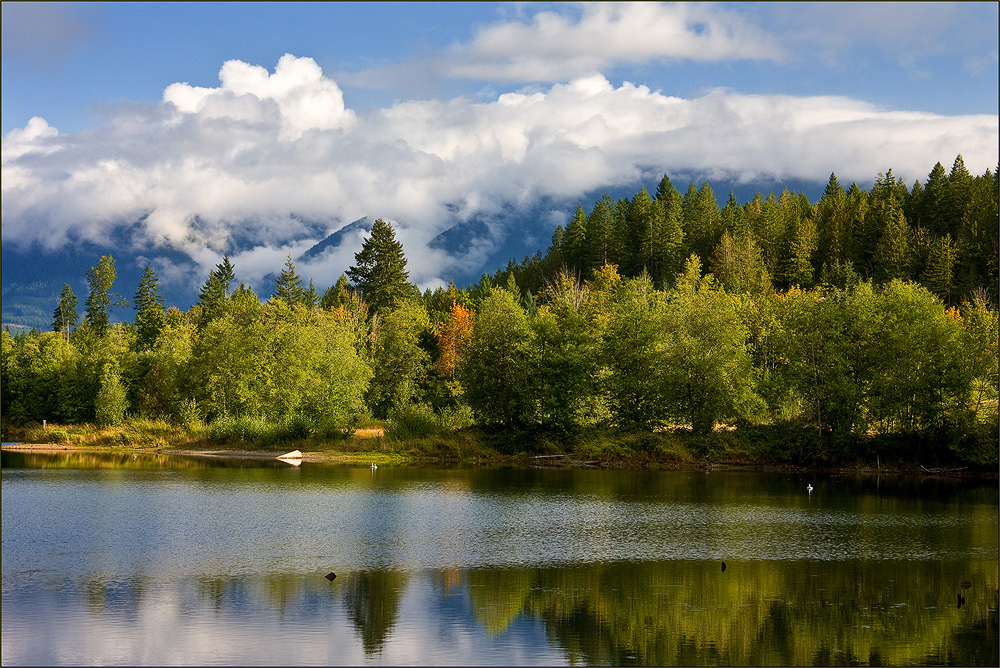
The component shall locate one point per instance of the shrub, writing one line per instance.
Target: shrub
(411, 421)
(111, 402)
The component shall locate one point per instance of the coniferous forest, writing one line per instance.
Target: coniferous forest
(858, 327)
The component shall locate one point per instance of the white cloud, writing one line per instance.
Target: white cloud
(555, 46)
(580, 39)
(253, 160)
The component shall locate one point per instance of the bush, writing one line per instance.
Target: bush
(412, 421)
(111, 402)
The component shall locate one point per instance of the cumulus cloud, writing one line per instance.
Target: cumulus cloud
(555, 46)
(582, 39)
(266, 164)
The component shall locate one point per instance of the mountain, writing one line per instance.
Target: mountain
(335, 239)
(32, 277)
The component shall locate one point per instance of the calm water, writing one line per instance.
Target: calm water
(166, 560)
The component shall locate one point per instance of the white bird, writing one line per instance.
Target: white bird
(374, 466)
(809, 488)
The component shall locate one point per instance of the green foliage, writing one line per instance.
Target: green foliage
(101, 280)
(288, 287)
(65, 318)
(856, 367)
(337, 295)
(496, 369)
(380, 269)
(111, 402)
(707, 370)
(399, 361)
(148, 304)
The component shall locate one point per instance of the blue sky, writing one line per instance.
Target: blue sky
(178, 115)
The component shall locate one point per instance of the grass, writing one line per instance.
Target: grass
(420, 435)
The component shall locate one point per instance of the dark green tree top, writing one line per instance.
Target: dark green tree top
(380, 269)
(215, 292)
(65, 318)
(148, 304)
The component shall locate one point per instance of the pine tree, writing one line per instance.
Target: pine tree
(148, 304)
(934, 203)
(101, 280)
(310, 297)
(288, 287)
(733, 218)
(894, 253)
(380, 271)
(574, 240)
(598, 237)
(225, 273)
(939, 273)
(65, 318)
(215, 293)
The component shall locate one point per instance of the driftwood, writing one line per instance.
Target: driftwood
(942, 470)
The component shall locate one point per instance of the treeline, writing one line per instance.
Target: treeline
(837, 322)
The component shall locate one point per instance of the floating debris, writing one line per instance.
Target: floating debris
(330, 576)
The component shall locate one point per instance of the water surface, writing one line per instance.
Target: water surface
(169, 560)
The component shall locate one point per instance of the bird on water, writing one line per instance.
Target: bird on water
(809, 488)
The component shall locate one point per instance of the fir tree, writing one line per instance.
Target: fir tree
(574, 240)
(310, 297)
(938, 274)
(380, 270)
(934, 203)
(148, 304)
(215, 293)
(288, 287)
(65, 318)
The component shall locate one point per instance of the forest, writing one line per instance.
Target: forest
(864, 324)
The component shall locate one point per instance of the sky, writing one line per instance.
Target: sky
(259, 128)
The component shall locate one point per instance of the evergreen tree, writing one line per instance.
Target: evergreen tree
(960, 183)
(310, 297)
(225, 273)
(894, 254)
(574, 241)
(380, 271)
(598, 240)
(148, 304)
(733, 219)
(670, 244)
(832, 226)
(938, 274)
(101, 280)
(288, 287)
(65, 318)
(337, 295)
(215, 293)
(934, 203)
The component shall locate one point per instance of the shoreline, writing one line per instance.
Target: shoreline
(528, 461)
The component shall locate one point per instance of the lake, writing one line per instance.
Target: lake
(169, 560)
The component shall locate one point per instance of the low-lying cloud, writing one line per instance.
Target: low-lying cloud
(266, 163)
